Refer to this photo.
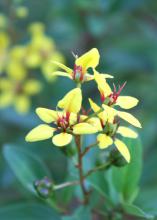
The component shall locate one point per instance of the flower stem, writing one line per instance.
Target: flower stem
(89, 147)
(66, 184)
(101, 167)
(80, 169)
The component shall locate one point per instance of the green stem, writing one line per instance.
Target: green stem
(66, 184)
(98, 168)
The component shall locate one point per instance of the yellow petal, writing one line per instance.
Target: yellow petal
(47, 115)
(127, 132)
(95, 122)
(59, 73)
(126, 102)
(39, 133)
(62, 66)
(6, 99)
(5, 84)
(122, 148)
(129, 118)
(32, 87)
(88, 77)
(104, 141)
(89, 59)
(73, 118)
(16, 70)
(96, 108)
(84, 128)
(103, 86)
(72, 101)
(106, 76)
(62, 139)
(110, 112)
(22, 104)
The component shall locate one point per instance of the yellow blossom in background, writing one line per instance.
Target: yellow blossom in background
(22, 12)
(63, 123)
(79, 73)
(17, 92)
(3, 21)
(41, 50)
(4, 45)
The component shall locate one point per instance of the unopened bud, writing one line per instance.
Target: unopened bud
(44, 187)
(117, 159)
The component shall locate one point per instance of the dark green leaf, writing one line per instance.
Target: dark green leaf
(27, 211)
(82, 213)
(126, 179)
(26, 166)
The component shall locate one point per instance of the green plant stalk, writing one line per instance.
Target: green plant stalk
(66, 184)
(98, 168)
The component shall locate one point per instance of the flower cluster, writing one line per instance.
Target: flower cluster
(18, 65)
(67, 121)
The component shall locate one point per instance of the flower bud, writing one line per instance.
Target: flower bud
(69, 151)
(117, 159)
(44, 187)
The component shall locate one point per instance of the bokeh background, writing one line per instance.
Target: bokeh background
(125, 32)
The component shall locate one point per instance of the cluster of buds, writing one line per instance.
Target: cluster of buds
(68, 121)
(44, 187)
(18, 80)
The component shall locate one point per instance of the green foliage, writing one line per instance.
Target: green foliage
(82, 213)
(125, 33)
(26, 166)
(126, 179)
(31, 211)
(136, 211)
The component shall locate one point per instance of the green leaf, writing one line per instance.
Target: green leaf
(82, 213)
(99, 183)
(126, 179)
(26, 166)
(136, 211)
(27, 211)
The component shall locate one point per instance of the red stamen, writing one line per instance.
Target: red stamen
(102, 97)
(115, 93)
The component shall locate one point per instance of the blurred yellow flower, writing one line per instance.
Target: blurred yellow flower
(80, 71)
(64, 122)
(17, 93)
(3, 21)
(4, 45)
(21, 12)
(41, 49)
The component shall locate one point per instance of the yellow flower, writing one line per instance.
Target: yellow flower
(110, 127)
(22, 12)
(40, 50)
(17, 93)
(64, 123)
(110, 97)
(80, 71)
(4, 45)
(105, 141)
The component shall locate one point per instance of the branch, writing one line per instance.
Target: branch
(88, 148)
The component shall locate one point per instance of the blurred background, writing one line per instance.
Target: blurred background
(33, 33)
